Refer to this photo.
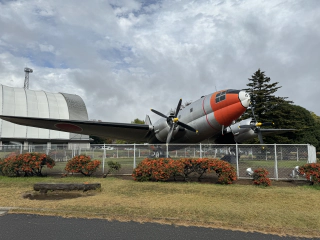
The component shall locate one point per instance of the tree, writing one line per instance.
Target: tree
(300, 119)
(99, 140)
(270, 108)
(137, 121)
(263, 100)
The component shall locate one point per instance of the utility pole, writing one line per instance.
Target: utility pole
(26, 79)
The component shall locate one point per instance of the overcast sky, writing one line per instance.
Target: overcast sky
(123, 57)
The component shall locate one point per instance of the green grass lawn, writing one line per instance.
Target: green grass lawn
(282, 210)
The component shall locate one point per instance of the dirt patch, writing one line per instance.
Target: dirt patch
(213, 179)
(279, 183)
(56, 195)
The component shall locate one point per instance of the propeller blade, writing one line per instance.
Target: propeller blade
(159, 113)
(170, 134)
(254, 117)
(187, 127)
(178, 107)
(173, 121)
(259, 135)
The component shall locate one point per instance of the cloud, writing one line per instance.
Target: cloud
(124, 57)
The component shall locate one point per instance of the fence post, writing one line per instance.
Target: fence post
(237, 157)
(167, 149)
(104, 157)
(275, 162)
(200, 151)
(134, 155)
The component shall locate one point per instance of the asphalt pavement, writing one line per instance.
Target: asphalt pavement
(28, 226)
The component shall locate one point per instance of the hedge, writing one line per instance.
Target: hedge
(165, 168)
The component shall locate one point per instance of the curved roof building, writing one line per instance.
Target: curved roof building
(30, 103)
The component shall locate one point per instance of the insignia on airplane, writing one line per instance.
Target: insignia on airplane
(68, 127)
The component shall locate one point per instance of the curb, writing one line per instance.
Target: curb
(4, 210)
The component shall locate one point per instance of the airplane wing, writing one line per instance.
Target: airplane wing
(267, 132)
(240, 137)
(123, 131)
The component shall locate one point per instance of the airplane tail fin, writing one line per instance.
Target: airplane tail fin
(147, 121)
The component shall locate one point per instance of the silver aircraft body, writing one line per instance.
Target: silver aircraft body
(211, 118)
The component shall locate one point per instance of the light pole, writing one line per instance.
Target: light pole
(26, 79)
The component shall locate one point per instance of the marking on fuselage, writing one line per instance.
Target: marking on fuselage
(207, 114)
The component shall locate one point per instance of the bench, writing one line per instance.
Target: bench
(44, 187)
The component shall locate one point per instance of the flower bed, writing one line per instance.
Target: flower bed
(165, 168)
(260, 177)
(82, 164)
(311, 172)
(27, 164)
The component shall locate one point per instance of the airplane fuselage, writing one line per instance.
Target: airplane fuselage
(210, 115)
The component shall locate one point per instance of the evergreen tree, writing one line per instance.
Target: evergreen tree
(263, 100)
(267, 106)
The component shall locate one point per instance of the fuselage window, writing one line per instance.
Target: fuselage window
(220, 96)
(191, 109)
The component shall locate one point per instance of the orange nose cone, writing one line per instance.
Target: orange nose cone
(229, 109)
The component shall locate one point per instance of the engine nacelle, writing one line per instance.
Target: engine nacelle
(161, 130)
(242, 134)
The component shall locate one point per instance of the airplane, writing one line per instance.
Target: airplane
(212, 118)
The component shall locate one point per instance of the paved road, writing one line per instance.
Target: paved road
(26, 226)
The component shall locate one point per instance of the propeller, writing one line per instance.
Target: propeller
(255, 126)
(173, 121)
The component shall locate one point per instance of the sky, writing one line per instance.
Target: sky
(123, 57)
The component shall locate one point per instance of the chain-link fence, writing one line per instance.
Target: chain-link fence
(280, 160)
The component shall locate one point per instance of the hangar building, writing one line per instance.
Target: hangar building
(30, 103)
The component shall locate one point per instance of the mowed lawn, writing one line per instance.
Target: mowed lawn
(283, 210)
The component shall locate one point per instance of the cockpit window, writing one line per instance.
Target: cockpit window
(220, 96)
(233, 91)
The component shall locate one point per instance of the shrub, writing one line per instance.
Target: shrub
(113, 167)
(226, 172)
(143, 171)
(82, 164)
(27, 164)
(164, 168)
(157, 169)
(260, 177)
(311, 172)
